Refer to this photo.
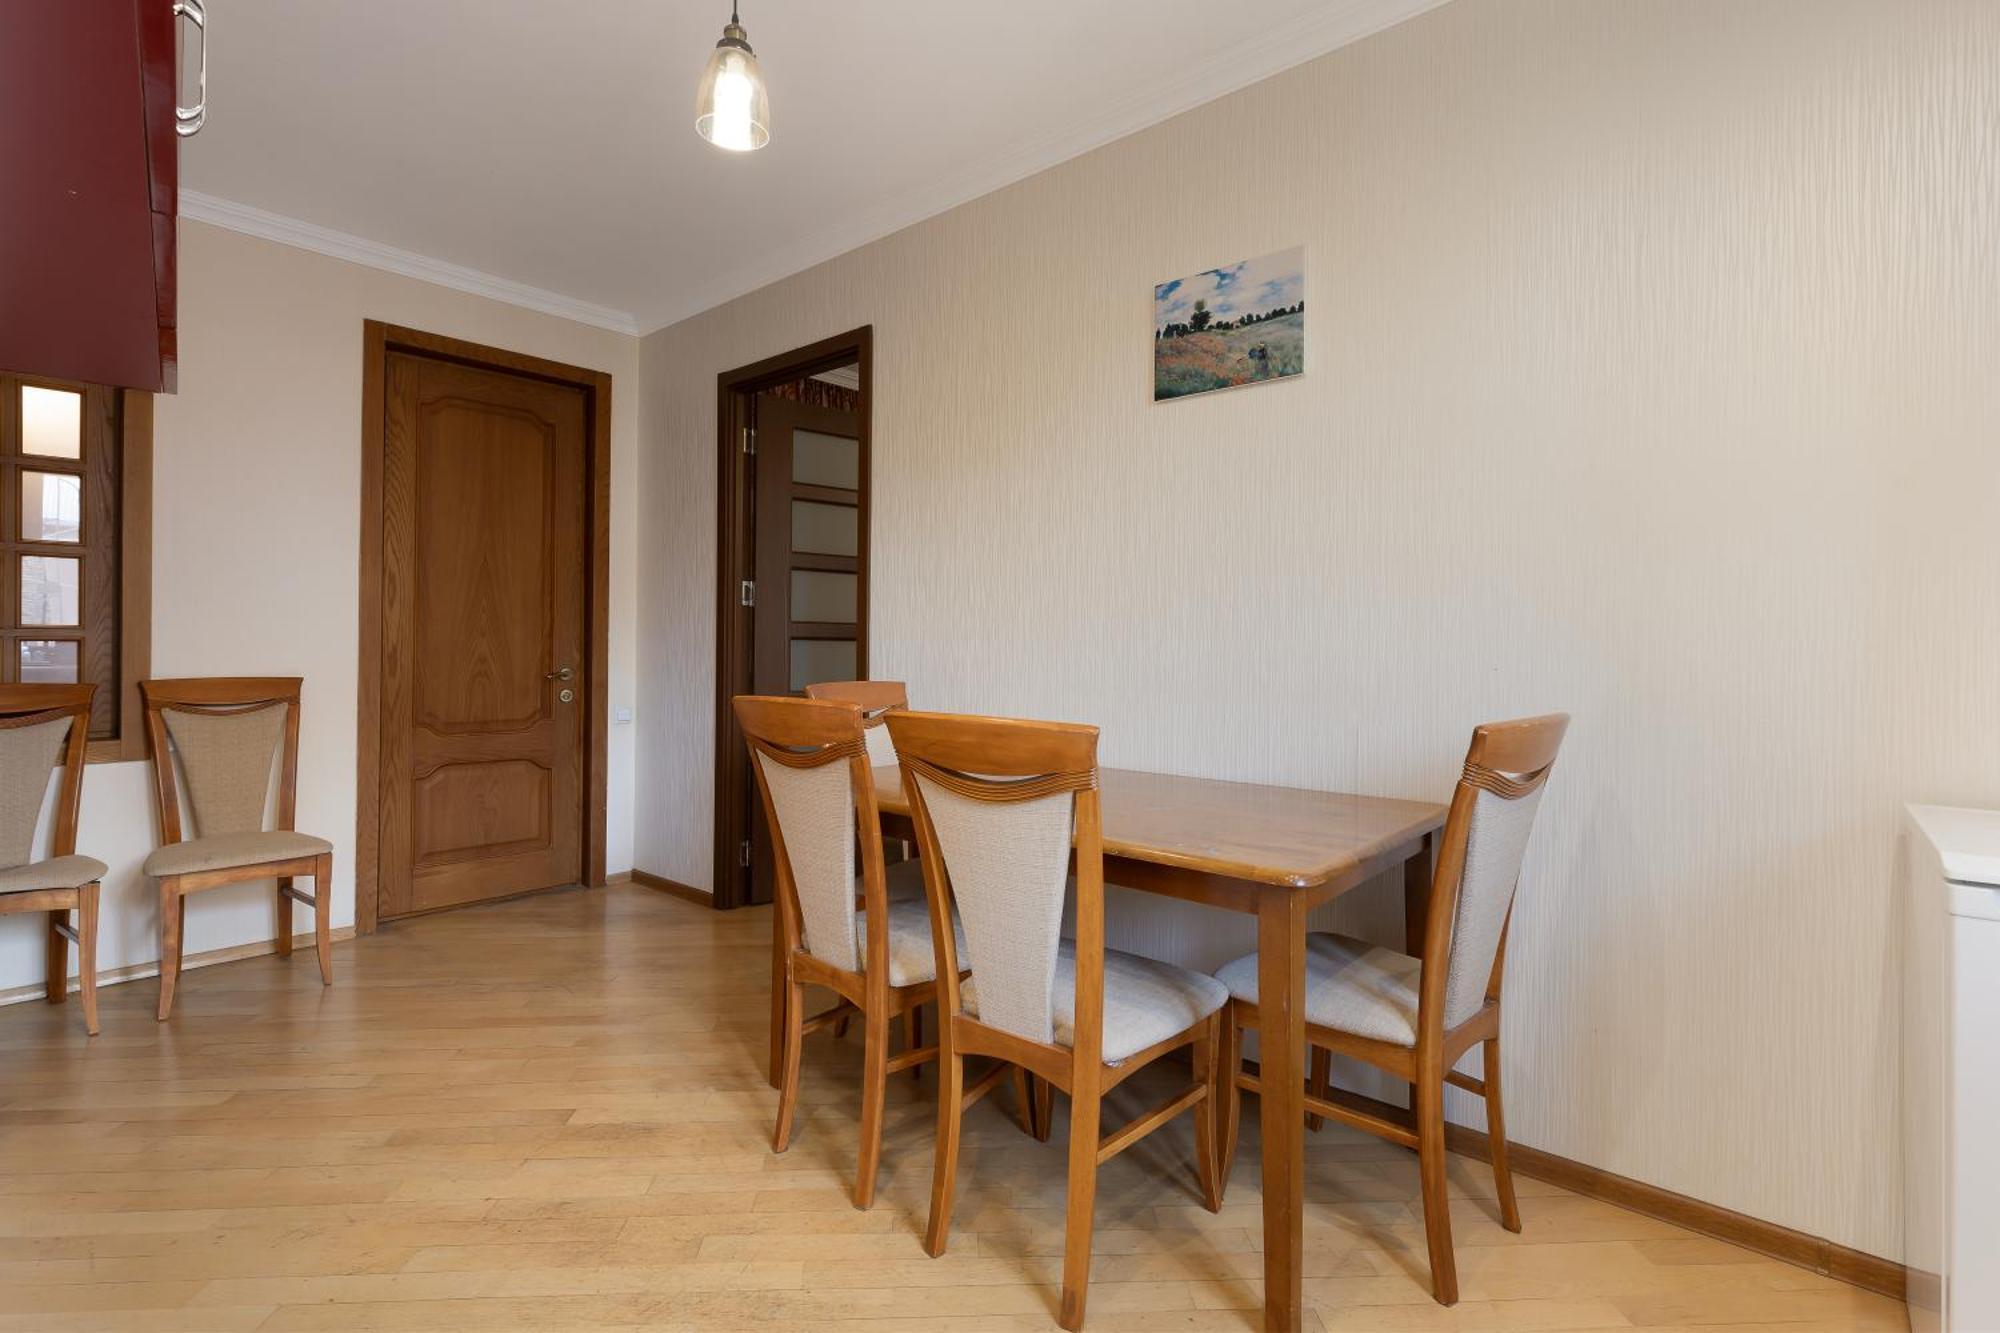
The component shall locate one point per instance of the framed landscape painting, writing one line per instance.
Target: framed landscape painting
(1228, 326)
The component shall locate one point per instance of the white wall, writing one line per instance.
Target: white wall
(1651, 376)
(256, 549)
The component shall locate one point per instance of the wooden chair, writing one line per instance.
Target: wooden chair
(213, 743)
(1415, 1020)
(996, 803)
(816, 785)
(876, 699)
(42, 728)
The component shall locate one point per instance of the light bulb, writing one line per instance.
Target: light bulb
(731, 108)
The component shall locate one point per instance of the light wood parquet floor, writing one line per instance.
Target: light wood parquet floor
(551, 1115)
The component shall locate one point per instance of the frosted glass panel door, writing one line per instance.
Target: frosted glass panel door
(812, 543)
(808, 464)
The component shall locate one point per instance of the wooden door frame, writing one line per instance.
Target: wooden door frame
(378, 340)
(733, 391)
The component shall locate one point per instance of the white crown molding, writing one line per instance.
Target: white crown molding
(360, 250)
(1271, 51)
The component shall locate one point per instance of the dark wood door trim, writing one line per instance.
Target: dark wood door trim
(378, 340)
(733, 391)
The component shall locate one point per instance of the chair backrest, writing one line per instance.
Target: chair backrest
(1479, 865)
(815, 782)
(877, 698)
(42, 727)
(225, 732)
(996, 803)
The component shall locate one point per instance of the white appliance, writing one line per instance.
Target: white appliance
(1951, 1069)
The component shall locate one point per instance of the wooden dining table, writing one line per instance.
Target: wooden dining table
(1273, 853)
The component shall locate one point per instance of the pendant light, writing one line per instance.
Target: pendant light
(730, 109)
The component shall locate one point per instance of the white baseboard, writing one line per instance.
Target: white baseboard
(37, 990)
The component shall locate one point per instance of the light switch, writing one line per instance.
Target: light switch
(621, 715)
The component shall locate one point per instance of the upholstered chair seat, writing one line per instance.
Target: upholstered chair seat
(58, 872)
(230, 851)
(912, 959)
(1351, 985)
(1146, 1001)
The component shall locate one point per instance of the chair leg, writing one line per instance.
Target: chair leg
(1437, 1199)
(1229, 1111)
(778, 989)
(1207, 1154)
(944, 1167)
(1321, 1084)
(913, 1036)
(1496, 1138)
(1045, 1109)
(86, 953)
(788, 1065)
(1024, 1101)
(1086, 1106)
(323, 917)
(874, 1088)
(173, 913)
(56, 988)
(283, 941)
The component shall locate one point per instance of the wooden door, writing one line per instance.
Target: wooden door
(483, 651)
(809, 554)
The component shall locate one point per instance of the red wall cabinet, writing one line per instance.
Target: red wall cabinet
(88, 190)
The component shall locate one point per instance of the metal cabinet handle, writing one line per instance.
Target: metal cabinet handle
(560, 673)
(188, 119)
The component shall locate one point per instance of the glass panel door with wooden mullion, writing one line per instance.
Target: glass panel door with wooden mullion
(810, 556)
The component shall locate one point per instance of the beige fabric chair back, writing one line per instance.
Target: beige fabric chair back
(225, 763)
(813, 809)
(881, 749)
(810, 762)
(998, 801)
(218, 742)
(28, 754)
(1495, 844)
(42, 728)
(1485, 839)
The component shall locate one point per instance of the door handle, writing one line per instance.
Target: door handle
(188, 120)
(560, 673)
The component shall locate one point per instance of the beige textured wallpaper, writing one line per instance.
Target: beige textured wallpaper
(1651, 375)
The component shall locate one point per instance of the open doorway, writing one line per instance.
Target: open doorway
(792, 558)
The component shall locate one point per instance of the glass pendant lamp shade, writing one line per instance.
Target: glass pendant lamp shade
(730, 108)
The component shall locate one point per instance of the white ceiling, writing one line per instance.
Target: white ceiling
(545, 152)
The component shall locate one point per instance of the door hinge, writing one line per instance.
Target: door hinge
(750, 440)
(747, 595)
(743, 853)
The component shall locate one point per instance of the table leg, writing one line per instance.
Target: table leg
(1416, 913)
(1281, 1043)
(1417, 896)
